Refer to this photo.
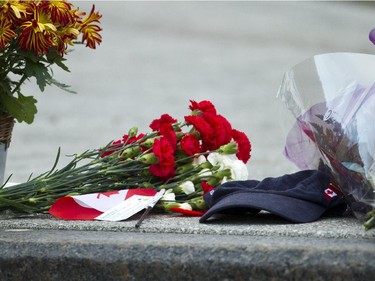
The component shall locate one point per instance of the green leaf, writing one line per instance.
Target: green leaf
(59, 62)
(62, 86)
(53, 57)
(29, 55)
(39, 71)
(22, 108)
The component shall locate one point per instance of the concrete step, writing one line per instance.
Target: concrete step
(179, 248)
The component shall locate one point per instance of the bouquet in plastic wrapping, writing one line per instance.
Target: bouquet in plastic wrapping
(332, 126)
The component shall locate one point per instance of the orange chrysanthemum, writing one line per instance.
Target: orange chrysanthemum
(6, 32)
(60, 11)
(66, 36)
(12, 10)
(34, 35)
(38, 33)
(90, 30)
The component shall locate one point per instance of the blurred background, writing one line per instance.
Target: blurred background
(156, 56)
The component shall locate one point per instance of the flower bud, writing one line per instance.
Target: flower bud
(179, 135)
(229, 148)
(206, 165)
(147, 185)
(133, 132)
(166, 206)
(214, 181)
(205, 173)
(130, 152)
(198, 203)
(176, 127)
(223, 173)
(149, 142)
(149, 158)
(32, 200)
(73, 194)
(184, 169)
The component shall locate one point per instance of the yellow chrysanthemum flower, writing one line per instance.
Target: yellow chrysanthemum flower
(12, 9)
(65, 36)
(60, 11)
(38, 33)
(34, 36)
(6, 32)
(90, 31)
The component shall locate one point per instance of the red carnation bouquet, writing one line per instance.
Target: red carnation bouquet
(187, 159)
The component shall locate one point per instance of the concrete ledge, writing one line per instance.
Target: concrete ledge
(82, 255)
(179, 248)
(260, 225)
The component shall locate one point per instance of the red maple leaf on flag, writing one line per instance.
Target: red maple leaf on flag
(108, 193)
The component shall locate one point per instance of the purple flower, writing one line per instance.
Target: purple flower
(371, 36)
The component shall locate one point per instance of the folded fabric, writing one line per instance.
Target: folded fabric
(92, 206)
(300, 197)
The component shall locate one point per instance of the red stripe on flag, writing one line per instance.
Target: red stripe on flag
(67, 208)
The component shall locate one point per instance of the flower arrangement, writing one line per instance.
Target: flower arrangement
(342, 160)
(34, 36)
(185, 158)
(333, 130)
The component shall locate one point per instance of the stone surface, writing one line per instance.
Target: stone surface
(261, 225)
(171, 247)
(71, 255)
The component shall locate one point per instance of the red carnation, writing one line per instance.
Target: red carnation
(166, 130)
(203, 106)
(165, 168)
(213, 129)
(222, 130)
(243, 144)
(127, 140)
(204, 129)
(164, 119)
(116, 145)
(190, 144)
(206, 187)
(164, 126)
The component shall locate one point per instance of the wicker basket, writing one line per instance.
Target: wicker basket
(6, 128)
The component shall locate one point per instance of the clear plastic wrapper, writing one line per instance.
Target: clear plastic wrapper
(332, 101)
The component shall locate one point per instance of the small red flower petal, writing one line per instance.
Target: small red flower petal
(187, 212)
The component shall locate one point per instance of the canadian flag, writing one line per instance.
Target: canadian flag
(91, 206)
(331, 191)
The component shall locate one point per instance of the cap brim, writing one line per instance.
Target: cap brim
(292, 209)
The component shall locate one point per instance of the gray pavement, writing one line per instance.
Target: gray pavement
(155, 56)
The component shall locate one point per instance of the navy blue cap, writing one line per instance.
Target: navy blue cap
(300, 197)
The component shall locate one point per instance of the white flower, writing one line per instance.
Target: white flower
(186, 187)
(214, 158)
(168, 196)
(237, 167)
(186, 206)
(199, 160)
(205, 172)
